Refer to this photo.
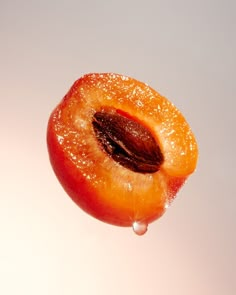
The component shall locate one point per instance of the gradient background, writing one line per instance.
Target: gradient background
(183, 49)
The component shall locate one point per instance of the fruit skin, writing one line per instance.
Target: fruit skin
(100, 186)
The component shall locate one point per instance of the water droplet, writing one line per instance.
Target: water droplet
(129, 187)
(140, 228)
(167, 205)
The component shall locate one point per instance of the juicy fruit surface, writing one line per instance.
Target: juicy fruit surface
(97, 183)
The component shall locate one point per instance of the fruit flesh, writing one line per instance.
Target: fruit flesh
(98, 184)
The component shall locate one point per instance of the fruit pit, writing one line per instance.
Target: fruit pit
(127, 142)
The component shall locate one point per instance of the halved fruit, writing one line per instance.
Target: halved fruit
(120, 149)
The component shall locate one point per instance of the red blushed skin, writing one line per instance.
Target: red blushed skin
(99, 185)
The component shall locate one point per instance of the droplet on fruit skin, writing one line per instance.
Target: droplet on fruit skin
(140, 228)
(167, 205)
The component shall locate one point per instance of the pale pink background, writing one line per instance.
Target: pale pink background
(185, 50)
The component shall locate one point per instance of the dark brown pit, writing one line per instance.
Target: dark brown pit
(127, 141)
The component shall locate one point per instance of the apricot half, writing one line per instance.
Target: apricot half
(120, 150)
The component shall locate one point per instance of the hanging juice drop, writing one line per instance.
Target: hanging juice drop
(140, 228)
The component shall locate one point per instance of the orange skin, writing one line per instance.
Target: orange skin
(98, 184)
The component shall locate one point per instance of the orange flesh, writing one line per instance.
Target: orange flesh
(98, 184)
